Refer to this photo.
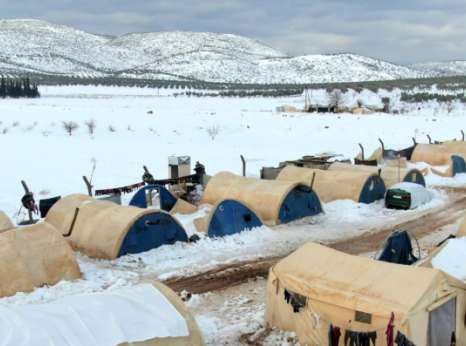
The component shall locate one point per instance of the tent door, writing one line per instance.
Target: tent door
(442, 322)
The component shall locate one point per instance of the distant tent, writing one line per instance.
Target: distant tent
(107, 230)
(360, 294)
(147, 314)
(359, 186)
(398, 249)
(227, 217)
(34, 256)
(390, 175)
(274, 201)
(5, 222)
(441, 155)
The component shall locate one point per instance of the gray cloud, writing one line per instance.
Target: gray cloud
(399, 31)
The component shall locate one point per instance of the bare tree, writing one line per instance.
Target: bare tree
(91, 125)
(336, 98)
(360, 103)
(111, 128)
(213, 131)
(70, 126)
(450, 107)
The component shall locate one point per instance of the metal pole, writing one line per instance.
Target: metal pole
(362, 151)
(88, 185)
(244, 165)
(31, 220)
(399, 169)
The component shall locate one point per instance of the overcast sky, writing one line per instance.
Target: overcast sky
(400, 31)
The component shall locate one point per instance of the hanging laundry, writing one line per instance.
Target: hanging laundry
(336, 336)
(330, 335)
(453, 339)
(389, 331)
(315, 321)
(119, 190)
(287, 296)
(373, 337)
(402, 340)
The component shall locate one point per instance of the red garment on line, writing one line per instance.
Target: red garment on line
(389, 331)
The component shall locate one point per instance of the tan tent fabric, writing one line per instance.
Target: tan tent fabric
(100, 226)
(436, 155)
(456, 145)
(264, 196)
(388, 174)
(34, 256)
(402, 162)
(376, 155)
(330, 185)
(5, 222)
(195, 337)
(14, 274)
(337, 285)
(462, 230)
(183, 207)
(45, 252)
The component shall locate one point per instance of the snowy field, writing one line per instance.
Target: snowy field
(36, 148)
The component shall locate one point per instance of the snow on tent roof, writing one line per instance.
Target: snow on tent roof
(273, 201)
(34, 256)
(336, 286)
(145, 315)
(5, 222)
(388, 174)
(107, 230)
(359, 186)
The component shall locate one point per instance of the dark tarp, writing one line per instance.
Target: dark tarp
(398, 249)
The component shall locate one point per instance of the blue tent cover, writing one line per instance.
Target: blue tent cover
(398, 249)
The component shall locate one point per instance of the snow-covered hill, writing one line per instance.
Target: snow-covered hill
(445, 68)
(31, 46)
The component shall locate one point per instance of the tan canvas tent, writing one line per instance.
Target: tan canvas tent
(34, 256)
(107, 230)
(359, 186)
(390, 175)
(439, 155)
(5, 222)
(377, 155)
(274, 201)
(359, 294)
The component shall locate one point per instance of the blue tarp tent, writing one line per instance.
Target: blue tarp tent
(459, 165)
(140, 198)
(398, 249)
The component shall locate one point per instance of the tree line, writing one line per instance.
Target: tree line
(17, 88)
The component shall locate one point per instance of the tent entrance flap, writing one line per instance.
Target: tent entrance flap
(300, 202)
(231, 217)
(442, 323)
(373, 190)
(145, 196)
(151, 231)
(459, 165)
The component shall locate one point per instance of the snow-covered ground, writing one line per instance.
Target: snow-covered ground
(35, 148)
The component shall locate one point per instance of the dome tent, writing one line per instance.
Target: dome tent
(360, 294)
(274, 201)
(441, 155)
(361, 187)
(147, 314)
(226, 217)
(107, 230)
(389, 175)
(5, 222)
(34, 256)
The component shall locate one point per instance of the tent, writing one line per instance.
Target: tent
(440, 155)
(398, 249)
(390, 175)
(274, 201)
(5, 222)
(359, 186)
(147, 314)
(360, 294)
(227, 217)
(34, 256)
(107, 230)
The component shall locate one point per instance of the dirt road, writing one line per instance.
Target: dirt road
(239, 273)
